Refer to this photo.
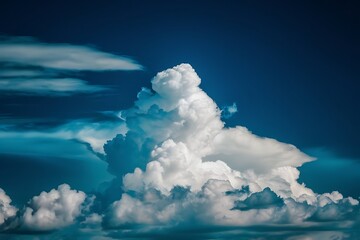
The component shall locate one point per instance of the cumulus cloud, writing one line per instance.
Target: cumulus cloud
(53, 210)
(32, 67)
(189, 168)
(181, 112)
(7, 211)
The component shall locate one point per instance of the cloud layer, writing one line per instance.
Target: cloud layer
(36, 68)
(178, 169)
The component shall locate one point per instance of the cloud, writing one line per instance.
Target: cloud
(180, 112)
(35, 68)
(179, 170)
(56, 154)
(52, 87)
(13, 73)
(90, 132)
(7, 211)
(214, 206)
(260, 200)
(229, 111)
(53, 210)
(94, 133)
(27, 51)
(242, 150)
(191, 169)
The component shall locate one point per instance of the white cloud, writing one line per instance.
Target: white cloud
(94, 133)
(6, 209)
(180, 168)
(52, 86)
(242, 150)
(53, 210)
(180, 111)
(93, 220)
(220, 204)
(193, 169)
(35, 68)
(62, 56)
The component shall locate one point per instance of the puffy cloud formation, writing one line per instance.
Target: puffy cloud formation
(6, 209)
(187, 167)
(53, 210)
(181, 112)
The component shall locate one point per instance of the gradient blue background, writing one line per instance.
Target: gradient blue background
(292, 68)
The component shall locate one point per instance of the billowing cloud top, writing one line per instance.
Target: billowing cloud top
(55, 209)
(178, 167)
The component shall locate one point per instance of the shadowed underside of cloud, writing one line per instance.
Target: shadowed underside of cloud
(32, 67)
(181, 172)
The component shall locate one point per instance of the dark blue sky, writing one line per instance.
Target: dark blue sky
(292, 67)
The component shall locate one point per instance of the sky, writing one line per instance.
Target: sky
(150, 119)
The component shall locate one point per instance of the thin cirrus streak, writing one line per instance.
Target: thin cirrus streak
(27, 51)
(30, 67)
(45, 87)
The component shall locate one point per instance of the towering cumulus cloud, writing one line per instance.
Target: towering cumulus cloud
(186, 167)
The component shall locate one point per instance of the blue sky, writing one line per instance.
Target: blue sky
(70, 74)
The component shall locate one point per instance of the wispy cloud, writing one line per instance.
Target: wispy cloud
(26, 51)
(16, 73)
(229, 111)
(94, 134)
(55, 86)
(36, 68)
